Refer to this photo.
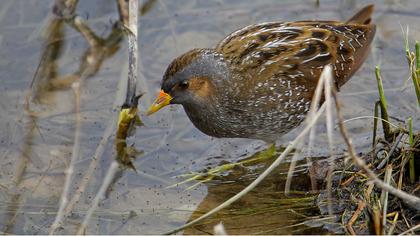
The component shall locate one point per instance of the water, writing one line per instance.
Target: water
(36, 147)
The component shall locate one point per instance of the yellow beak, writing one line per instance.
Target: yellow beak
(162, 100)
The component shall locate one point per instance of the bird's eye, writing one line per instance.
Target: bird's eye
(183, 84)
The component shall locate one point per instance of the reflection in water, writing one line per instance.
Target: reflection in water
(266, 209)
(47, 70)
(147, 6)
(91, 61)
(47, 81)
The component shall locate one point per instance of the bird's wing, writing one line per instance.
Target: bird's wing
(297, 50)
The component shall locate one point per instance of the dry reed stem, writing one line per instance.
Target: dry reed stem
(393, 148)
(130, 95)
(411, 167)
(354, 217)
(132, 53)
(376, 218)
(291, 170)
(411, 230)
(384, 196)
(351, 178)
(329, 122)
(400, 177)
(76, 86)
(312, 133)
(97, 51)
(95, 159)
(21, 165)
(89, 172)
(75, 154)
(99, 196)
(316, 100)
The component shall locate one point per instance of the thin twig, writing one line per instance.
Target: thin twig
(411, 168)
(349, 180)
(291, 170)
(384, 196)
(89, 172)
(123, 11)
(405, 220)
(393, 148)
(411, 230)
(97, 51)
(375, 124)
(329, 121)
(99, 196)
(316, 100)
(131, 101)
(75, 154)
(372, 117)
(314, 185)
(97, 156)
(354, 217)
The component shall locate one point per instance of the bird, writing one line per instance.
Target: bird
(258, 82)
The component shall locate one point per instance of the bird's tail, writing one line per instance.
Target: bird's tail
(364, 16)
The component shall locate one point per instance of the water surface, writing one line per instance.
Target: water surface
(35, 147)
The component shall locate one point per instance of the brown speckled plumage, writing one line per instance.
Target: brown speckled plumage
(258, 82)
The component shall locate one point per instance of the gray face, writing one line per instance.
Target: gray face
(180, 79)
(177, 87)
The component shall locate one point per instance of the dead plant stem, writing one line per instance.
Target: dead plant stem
(411, 200)
(75, 154)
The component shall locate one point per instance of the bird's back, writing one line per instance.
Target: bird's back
(275, 67)
(298, 50)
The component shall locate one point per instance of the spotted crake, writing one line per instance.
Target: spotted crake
(258, 82)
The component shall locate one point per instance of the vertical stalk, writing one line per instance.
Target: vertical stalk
(128, 113)
(132, 53)
(417, 55)
(415, 73)
(411, 155)
(375, 123)
(384, 196)
(384, 106)
(128, 117)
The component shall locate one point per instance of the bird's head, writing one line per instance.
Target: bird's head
(191, 79)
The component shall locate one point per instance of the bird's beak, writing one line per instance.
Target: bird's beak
(162, 100)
